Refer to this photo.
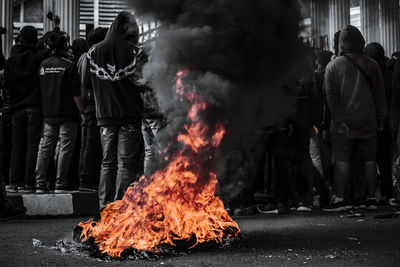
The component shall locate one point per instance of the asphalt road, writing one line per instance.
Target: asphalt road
(316, 239)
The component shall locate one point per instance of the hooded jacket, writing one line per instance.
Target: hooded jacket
(60, 83)
(116, 66)
(395, 100)
(355, 103)
(21, 77)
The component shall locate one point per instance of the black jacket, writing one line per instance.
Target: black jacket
(356, 103)
(395, 99)
(115, 67)
(21, 77)
(59, 84)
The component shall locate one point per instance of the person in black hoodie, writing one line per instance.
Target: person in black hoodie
(21, 84)
(90, 138)
(115, 66)
(61, 103)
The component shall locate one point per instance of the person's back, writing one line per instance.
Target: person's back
(356, 98)
(114, 64)
(356, 103)
(59, 84)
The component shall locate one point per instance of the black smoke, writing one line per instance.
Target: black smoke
(241, 55)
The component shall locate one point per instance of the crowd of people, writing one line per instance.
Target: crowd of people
(75, 117)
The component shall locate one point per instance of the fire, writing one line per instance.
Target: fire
(175, 203)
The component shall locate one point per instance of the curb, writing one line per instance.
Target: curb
(75, 203)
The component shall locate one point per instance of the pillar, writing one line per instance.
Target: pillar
(370, 20)
(339, 16)
(68, 10)
(6, 17)
(319, 20)
(389, 25)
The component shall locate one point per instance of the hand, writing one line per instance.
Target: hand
(84, 118)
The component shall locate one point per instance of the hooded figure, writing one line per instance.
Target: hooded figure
(22, 86)
(356, 99)
(116, 66)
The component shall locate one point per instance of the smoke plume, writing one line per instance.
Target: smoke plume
(240, 56)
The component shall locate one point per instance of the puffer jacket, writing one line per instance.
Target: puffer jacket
(356, 104)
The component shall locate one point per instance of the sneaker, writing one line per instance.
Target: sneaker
(62, 191)
(303, 208)
(12, 189)
(27, 189)
(394, 202)
(41, 191)
(267, 208)
(336, 207)
(360, 205)
(283, 208)
(88, 188)
(372, 204)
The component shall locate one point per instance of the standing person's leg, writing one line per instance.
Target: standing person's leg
(109, 165)
(342, 150)
(6, 146)
(89, 152)
(367, 148)
(128, 157)
(384, 161)
(34, 131)
(19, 122)
(46, 155)
(150, 129)
(68, 134)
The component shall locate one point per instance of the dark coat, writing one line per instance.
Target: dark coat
(356, 104)
(21, 77)
(116, 66)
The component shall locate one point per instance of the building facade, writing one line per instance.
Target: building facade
(77, 17)
(378, 20)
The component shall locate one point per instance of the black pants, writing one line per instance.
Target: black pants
(27, 128)
(384, 160)
(5, 147)
(90, 153)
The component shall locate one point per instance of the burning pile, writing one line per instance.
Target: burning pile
(177, 202)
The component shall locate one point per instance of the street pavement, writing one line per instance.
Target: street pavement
(316, 239)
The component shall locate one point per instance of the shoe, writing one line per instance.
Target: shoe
(41, 191)
(360, 205)
(336, 207)
(267, 208)
(88, 188)
(62, 191)
(303, 208)
(372, 204)
(283, 208)
(27, 189)
(12, 189)
(394, 202)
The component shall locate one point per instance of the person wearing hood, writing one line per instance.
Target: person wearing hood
(61, 103)
(90, 152)
(21, 84)
(384, 147)
(116, 66)
(356, 99)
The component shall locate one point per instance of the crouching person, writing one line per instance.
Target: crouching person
(115, 68)
(61, 104)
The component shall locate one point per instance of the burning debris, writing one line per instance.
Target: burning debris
(177, 204)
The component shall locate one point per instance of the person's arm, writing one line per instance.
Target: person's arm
(332, 92)
(395, 97)
(6, 89)
(2, 58)
(73, 83)
(380, 96)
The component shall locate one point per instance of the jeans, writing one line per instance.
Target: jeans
(150, 129)
(90, 148)
(121, 155)
(67, 132)
(27, 128)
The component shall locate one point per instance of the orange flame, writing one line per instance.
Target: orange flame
(174, 203)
